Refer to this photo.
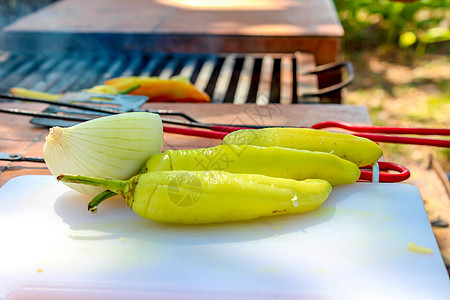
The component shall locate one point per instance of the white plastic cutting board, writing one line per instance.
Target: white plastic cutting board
(353, 247)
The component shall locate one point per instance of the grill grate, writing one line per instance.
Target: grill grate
(233, 78)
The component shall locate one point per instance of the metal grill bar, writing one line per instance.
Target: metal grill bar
(305, 84)
(245, 78)
(286, 80)
(133, 66)
(113, 68)
(9, 64)
(189, 67)
(170, 68)
(233, 78)
(263, 93)
(151, 65)
(205, 73)
(67, 80)
(32, 78)
(223, 81)
(92, 75)
(51, 78)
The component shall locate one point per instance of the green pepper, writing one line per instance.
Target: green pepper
(270, 161)
(198, 197)
(360, 151)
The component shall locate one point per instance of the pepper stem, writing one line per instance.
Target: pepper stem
(117, 186)
(92, 205)
(125, 188)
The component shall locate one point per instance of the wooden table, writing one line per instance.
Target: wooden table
(228, 26)
(18, 136)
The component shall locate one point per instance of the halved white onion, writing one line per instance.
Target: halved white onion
(113, 147)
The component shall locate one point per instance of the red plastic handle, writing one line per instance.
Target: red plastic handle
(382, 129)
(218, 135)
(372, 133)
(403, 172)
(382, 138)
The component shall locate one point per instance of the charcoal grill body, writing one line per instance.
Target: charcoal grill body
(100, 39)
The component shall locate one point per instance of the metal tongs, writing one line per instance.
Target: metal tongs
(90, 105)
(18, 157)
(219, 131)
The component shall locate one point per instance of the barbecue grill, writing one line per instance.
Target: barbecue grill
(60, 48)
(227, 78)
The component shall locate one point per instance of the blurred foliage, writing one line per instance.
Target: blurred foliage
(373, 23)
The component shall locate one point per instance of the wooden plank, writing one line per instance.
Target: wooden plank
(253, 18)
(225, 17)
(95, 16)
(19, 137)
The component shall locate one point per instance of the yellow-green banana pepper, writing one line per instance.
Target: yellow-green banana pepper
(270, 161)
(358, 150)
(198, 197)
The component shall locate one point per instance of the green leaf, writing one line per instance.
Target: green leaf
(436, 34)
